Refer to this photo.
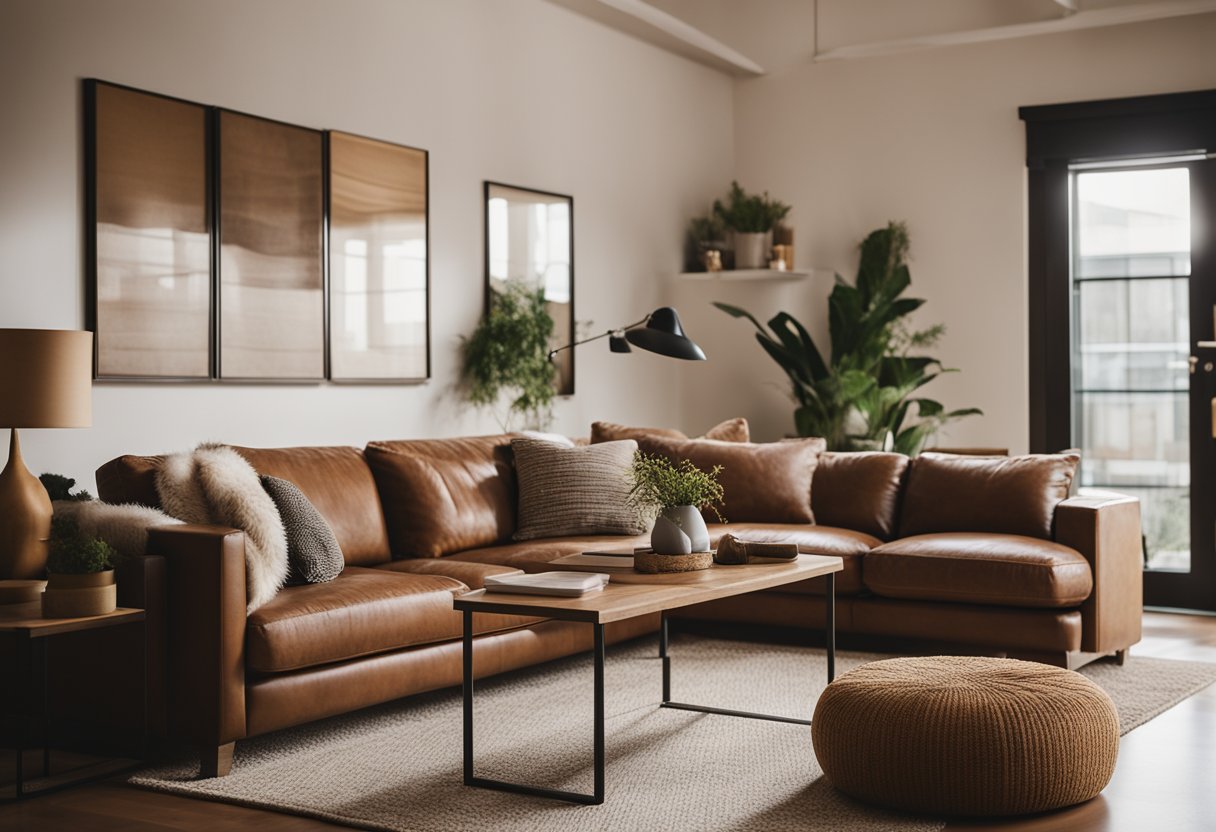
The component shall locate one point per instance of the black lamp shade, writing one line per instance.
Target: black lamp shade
(664, 335)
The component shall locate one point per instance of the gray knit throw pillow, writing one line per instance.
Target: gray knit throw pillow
(567, 490)
(313, 554)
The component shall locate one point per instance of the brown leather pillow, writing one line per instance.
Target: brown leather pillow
(445, 495)
(763, 483)
(732, 430)
(1003, 495)
(859, 491)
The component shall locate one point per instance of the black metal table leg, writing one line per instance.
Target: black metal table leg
(830, 638)
(830, 632)
(470, 779)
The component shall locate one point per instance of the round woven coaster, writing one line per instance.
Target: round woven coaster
(653, 564)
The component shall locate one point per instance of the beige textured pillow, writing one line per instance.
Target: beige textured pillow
(566, 490)
(732, 430)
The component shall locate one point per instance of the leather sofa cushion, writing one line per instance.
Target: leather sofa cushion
(1006, 495)
(360, 613)
(859, 490)
(763, 483)
(472, 575)
(850, 546)
(129, 479)
(445, 495)
(732, 430)
(336, 480)
(999, 569)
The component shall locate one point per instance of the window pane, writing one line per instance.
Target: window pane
(1133, 334)
(1133, 223)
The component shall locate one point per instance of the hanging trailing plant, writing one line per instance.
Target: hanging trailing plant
(862, 399)
(507, 356)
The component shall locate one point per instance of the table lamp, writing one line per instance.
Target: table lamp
(659, 332)
(46, 380)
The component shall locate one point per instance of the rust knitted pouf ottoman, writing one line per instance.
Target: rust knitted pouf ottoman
(966, 736)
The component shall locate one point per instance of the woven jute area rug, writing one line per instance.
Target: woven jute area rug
(399, 766)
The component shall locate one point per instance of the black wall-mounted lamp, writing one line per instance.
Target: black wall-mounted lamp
(659, 332)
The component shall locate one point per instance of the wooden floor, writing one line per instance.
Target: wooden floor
(1165, 779)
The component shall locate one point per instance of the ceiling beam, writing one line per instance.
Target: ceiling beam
(1083, 19)
(656, 26)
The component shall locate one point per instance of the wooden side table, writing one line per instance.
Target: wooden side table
(32, 634)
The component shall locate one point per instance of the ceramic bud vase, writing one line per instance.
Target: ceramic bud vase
(679, 530)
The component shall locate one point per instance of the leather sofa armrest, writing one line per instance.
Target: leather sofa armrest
(1106, 530)
(205, 631)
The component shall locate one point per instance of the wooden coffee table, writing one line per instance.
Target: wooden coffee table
(631, 594)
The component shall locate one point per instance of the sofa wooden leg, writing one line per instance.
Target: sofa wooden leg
(1121, 656)
(216, 760)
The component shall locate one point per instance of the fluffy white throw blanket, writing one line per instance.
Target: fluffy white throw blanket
(215, 485)
(125, 527)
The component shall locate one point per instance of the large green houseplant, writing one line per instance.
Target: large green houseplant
(862, 398)
(507, 356)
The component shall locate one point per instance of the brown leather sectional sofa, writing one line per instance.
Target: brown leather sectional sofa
(982, 555)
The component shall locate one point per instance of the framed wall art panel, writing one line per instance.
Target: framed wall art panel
(147, 234)
(271, 232)
(379, 261)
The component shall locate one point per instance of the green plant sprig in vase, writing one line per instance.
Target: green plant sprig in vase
(675, 495)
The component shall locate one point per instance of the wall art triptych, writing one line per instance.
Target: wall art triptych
(224, 246)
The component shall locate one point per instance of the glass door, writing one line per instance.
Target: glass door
(1142, 381)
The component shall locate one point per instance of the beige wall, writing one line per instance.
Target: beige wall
(930, 137)
(519, 91)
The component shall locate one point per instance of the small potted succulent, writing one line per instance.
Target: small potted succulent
(80, 573)
(752, 219)
(675, 495)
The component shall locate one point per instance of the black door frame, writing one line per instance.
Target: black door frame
(1057, 136)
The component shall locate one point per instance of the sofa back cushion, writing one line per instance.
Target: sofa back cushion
(859, 491)
(763, 483)
(445, 495)
(732, 430)
(336, 480)
(1005, 495)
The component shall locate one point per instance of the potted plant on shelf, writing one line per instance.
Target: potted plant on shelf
(80, 573)
(675, 495)
(863, 396)
(508, 354)
(707, 241)
(752, 219)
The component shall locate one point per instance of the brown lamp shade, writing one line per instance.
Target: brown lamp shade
(46, 378)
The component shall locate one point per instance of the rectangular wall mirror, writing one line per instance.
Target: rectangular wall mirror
(379, 275)
(530, 240)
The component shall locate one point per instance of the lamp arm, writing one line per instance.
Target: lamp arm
(573, 344)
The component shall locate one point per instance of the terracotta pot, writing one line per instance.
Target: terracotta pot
(76, 596)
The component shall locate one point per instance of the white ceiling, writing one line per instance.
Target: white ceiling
(752, 37)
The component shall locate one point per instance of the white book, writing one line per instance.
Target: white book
(568, 584)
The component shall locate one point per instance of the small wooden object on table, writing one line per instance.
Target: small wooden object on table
(628, 595)
(31, 633)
